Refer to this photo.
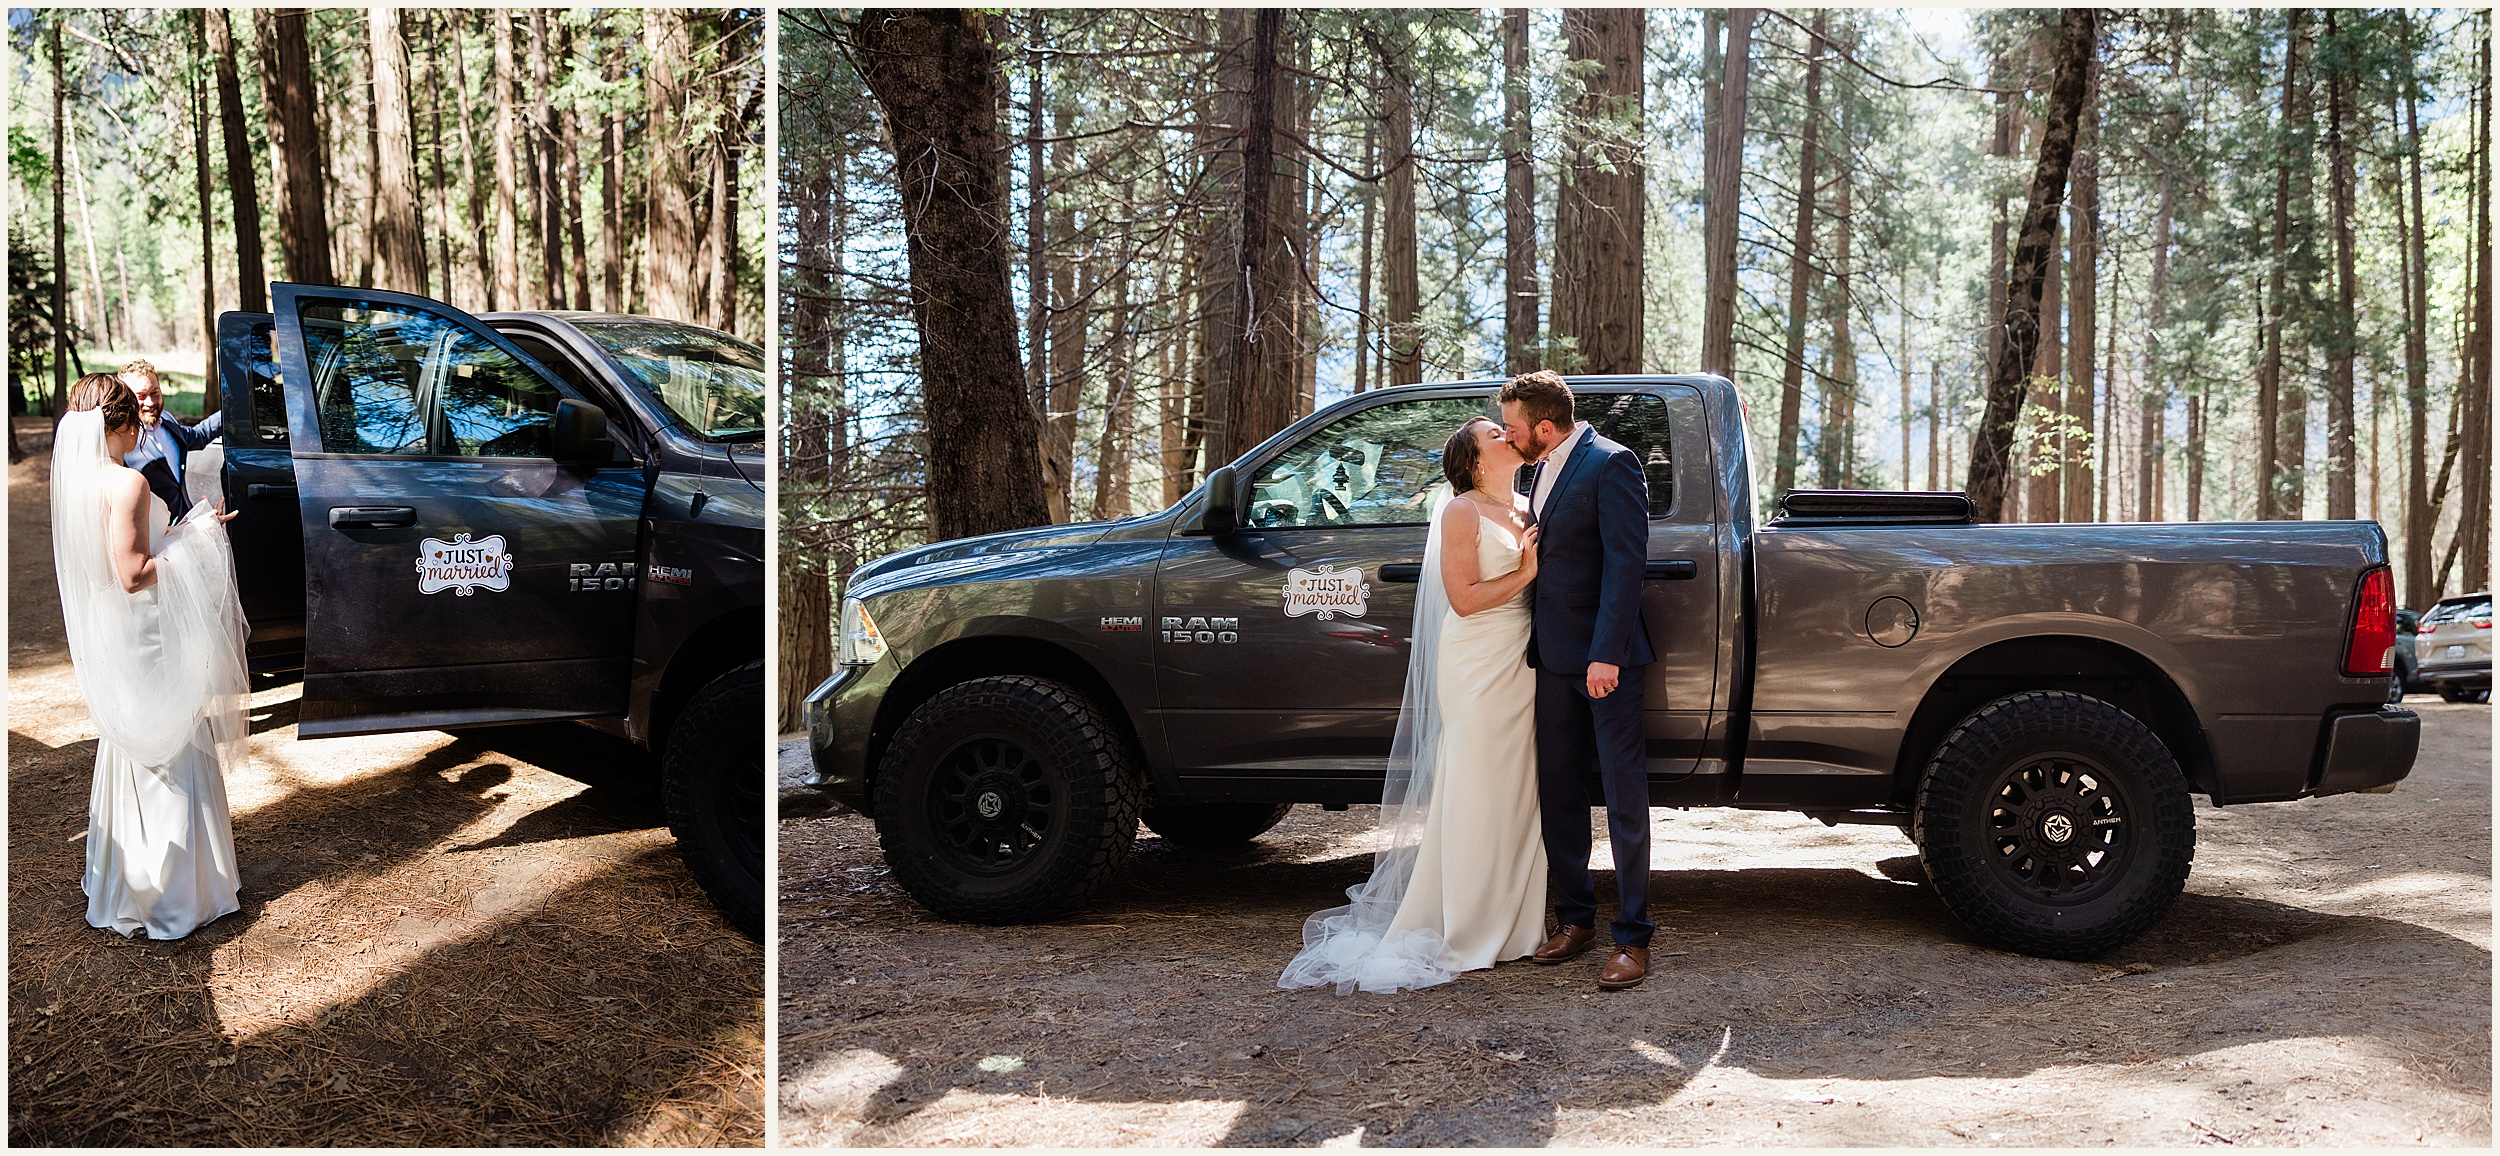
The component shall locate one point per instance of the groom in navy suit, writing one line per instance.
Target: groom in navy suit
(163, 440)
(1589, 648)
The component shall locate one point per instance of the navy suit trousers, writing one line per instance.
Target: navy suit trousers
(1575, 733)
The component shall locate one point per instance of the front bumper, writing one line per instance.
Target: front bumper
(838, 715)
(2368, 752)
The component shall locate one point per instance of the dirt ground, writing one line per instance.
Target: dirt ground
(2326, 980)
(471, 939)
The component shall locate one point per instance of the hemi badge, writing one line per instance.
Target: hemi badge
(1131, 622)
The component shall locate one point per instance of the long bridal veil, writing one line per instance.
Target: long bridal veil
(1351, 946)
(152, 681)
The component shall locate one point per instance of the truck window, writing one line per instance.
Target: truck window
(1638, 421)
(1373, 468)
(402, 380)
(267, 394)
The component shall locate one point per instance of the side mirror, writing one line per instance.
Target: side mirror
(580, 433)
(1219, 513)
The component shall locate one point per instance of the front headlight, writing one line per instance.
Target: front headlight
(858, 643)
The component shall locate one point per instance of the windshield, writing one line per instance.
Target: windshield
(712, 382)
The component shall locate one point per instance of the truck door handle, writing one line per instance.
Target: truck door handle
(270, 490)
(371, 517)
(1672, 570)
(1402, 572)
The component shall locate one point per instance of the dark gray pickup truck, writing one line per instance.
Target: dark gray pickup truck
(450, 521)
(2032, 704)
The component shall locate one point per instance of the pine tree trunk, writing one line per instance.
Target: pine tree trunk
(1111, 451)
(507, 293)
(1724, 208)
(441, 227)
(1036, 236)
(2083, 279)
(806, 593)
(2077, 34)
(198, 92)
(546, 200)
(1220, 319)
(936, 78)
(611, 214)
(2156, 399)
(1519, 280)
(672, 233)
(476, 190)
(295, 145)
(2341, 498)
(242, 177)
(1267, 358)
(1600, 213)
(1838, 444)
(398, 232)
(2421, 520)
(569, 151)
(2275, 498)
(1801, 263)
(61, 339)
(1064, 383)
(1364, 358)
(2043, 483)
(2474, 523)
(1403, 335)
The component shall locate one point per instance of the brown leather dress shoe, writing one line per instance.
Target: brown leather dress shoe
(1567, 942)
(1627, 967)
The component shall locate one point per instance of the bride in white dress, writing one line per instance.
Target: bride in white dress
(156, 634)
(1460, 884)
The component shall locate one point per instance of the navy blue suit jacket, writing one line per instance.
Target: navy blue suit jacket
(158, 458)
(1592, 555)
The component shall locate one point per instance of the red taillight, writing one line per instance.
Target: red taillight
(2372, 650)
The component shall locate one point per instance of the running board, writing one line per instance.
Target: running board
(429, 720)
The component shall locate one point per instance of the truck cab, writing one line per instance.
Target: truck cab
(450, 521)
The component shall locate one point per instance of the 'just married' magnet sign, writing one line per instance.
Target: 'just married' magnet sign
(1326, 592)
(462, 566)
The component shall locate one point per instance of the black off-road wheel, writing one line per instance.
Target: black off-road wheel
(713, 787)
(1215, 825)
(1009, 799)
(2055, 824)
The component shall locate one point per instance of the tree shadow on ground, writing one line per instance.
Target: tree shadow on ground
(611, 1006)
(1162, 993)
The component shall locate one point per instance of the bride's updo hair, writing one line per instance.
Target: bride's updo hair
(106, 392)
(1460, 454)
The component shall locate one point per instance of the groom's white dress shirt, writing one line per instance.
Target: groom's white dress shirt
(1548, 468)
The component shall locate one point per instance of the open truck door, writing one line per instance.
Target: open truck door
(469, 537)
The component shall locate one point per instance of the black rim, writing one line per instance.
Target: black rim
(2058, 829)
(991, 804)
(738, 794)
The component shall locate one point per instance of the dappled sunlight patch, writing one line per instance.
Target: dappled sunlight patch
(835, 1088)
(989, 1119)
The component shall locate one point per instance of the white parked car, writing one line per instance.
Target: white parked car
(2453, 648)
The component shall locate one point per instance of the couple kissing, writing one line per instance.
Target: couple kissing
(1524, 676)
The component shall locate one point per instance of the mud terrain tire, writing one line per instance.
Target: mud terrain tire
(1008, 799)
(1215, 825)
(713, 788)
(2055, 824)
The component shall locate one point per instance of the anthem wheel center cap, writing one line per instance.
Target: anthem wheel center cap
(990, 805)
(2058, 828)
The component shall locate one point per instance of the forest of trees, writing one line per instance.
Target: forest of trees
(2091, 264)
(172, 162)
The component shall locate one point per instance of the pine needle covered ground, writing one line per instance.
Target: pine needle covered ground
(2325, 981)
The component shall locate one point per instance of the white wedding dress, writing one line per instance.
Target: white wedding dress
(162, 671)
(1461, 884)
